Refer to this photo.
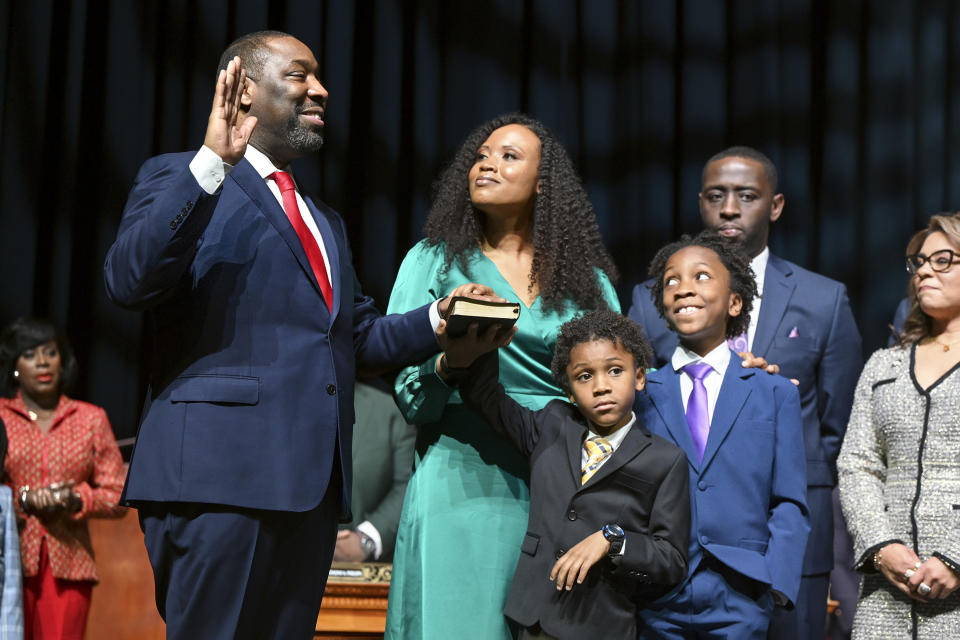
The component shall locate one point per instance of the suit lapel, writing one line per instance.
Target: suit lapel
(777, 290)
(574, 434)
(256, 189)
(333, 251)
(733, 394)
(663, 388)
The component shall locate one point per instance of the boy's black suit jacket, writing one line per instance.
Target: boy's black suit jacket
(643, 487)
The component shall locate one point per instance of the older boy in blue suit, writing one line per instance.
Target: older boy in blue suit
(802, 322)
(740, 429)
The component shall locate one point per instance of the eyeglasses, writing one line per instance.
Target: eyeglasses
(939, 261)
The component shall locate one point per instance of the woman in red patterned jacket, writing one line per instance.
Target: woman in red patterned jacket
(64, 465)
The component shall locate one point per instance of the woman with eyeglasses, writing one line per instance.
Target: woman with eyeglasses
(900, 461)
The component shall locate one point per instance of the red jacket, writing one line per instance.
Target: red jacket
(79, 448)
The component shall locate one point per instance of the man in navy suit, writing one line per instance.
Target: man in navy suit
(802, 322)
(242, 466)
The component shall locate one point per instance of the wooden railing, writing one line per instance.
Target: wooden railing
(123, 607)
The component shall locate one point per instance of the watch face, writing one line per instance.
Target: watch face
(612, 531)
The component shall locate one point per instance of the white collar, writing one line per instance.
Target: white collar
(759, 266)
(261, 163)
(617, 436)
(718, 359)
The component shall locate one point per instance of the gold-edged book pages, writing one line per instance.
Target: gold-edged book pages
(465, 311)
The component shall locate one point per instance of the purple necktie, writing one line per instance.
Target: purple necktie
(698, 416)
(739, 343)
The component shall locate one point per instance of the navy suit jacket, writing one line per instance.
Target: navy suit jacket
(899, 317)
(747, 496)
(824, 355)
(250, 401)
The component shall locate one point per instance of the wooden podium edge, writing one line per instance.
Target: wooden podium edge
(355, 600)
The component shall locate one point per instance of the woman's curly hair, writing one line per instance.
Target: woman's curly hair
(733, 259)
(602, 324)
(567, 247)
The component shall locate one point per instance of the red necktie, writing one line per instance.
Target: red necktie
(310, 246)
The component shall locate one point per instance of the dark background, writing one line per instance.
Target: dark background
(856, 102)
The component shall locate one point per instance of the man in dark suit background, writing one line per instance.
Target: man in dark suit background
(242, 466)
(382, 465)
(802, 322)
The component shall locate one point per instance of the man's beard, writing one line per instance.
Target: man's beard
(301, 137)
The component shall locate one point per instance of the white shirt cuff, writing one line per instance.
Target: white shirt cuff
(435, 315)
(367, 528)
(209, 169)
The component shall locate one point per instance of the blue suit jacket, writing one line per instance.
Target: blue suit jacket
(747, 501)
(899, 317)
(824, 355)
(250, 400)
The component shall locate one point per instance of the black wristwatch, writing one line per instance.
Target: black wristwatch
(615, 536)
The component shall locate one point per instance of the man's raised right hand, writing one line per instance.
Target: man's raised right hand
(227, 135)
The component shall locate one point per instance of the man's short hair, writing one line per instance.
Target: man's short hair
(252, 51)
(602, 324)
(742, 151)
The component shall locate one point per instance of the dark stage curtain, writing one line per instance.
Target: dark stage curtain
(855, 101)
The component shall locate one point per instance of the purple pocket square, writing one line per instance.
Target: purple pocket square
(793, 333)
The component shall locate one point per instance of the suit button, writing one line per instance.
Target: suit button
(702, 486)
(559, 553)
(331, 389)
(704, 540)
(571, 515)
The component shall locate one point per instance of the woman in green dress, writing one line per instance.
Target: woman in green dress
(509, 212)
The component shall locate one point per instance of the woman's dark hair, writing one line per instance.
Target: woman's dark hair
(602, 324)
(733, 259)
(567, 247)
(917, 324)
(26, 333)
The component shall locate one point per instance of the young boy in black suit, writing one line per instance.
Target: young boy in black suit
(609, 502)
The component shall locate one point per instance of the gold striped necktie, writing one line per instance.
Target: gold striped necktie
(598, 450)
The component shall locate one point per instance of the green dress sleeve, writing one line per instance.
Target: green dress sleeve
(420, 392)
